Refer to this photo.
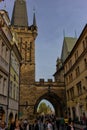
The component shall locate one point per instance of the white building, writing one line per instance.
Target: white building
(5, 47)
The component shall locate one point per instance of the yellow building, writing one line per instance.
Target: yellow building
(14, 85)
(10, 59)
(68, 44)
(75, 67)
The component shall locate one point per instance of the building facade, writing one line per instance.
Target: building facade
(75, 69)
(31, 91)
(10, 59)
(5, 49)
(14, 83)
(68, 44)
(26, 45)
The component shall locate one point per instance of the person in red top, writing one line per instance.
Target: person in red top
(84, 119)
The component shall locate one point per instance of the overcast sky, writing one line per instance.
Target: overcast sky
(55, 18)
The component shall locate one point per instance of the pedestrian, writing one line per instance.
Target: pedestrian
(3, 125)
(70, 125)
(12, 125)
(27, 128)
(17, 126)
(62, 123)
(85, 126)
(84, 119)
(49, 125)
(66, 121)
(57, 123)
(25, 123)
(36, 126)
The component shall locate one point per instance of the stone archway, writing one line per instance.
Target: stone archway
(35, 93)
(54, 100)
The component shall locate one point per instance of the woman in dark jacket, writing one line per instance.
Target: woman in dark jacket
(12, 125)
(36, 126)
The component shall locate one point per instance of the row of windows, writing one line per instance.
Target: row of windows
(3, 85)
(4, 52)
(76, 55)
(14, 91)
(14, 63)
(71, 92)
(70, 78)
(75, 73)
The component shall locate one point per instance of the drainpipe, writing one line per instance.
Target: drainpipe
(19, 88)
(8, 88)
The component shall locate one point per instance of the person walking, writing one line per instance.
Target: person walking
(70, 125)
(49, 125)
(85, 126)
(3, 125)
(12, 125)
(57, 123)
(17, 126)
(62, 123)
(36, 126)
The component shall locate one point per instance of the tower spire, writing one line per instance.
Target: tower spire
(34, 18)
(19, 15)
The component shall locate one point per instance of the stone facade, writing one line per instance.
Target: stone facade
(26, 46)
(75, 67)
(5, 49)
(31, 91)
(33, 94)
(14, 83)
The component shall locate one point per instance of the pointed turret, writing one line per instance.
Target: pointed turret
(19, 15)
(34, 20)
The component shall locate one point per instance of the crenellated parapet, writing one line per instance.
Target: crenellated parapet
(49, 82)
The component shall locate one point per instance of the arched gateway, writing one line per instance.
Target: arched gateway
(31, 96)
(32, 92)
(55, 100)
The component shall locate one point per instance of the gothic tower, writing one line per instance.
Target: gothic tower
(26, 40)
(24, 36)
(31, 91)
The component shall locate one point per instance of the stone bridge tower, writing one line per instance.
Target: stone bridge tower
(32, 92)
(26, 40)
